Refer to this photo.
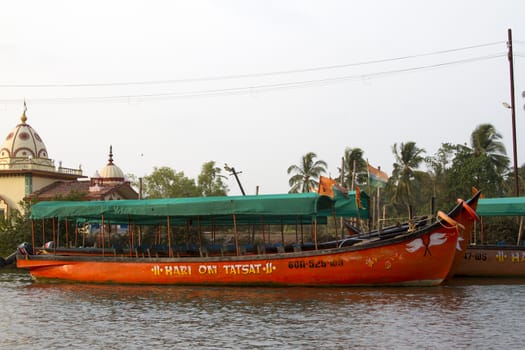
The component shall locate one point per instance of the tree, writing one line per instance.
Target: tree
(439, 169)
(15, 230)
(484, 141)
(483, 165)
(210, 180)
(408, 159)
(509, 182)
(468, 170)
(306, 175)
(353, 156)
(165, 182)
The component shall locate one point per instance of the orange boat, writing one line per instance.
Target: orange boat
(482, 260)
(420, 256)
(493, 261)
(465, 224)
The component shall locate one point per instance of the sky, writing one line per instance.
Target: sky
(257, 84)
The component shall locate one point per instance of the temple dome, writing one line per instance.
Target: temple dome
(23, 142)
(111, 171)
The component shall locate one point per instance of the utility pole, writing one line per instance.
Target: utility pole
(513, 109)
(234, 173)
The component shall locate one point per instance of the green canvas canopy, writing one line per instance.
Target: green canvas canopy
(274, 208)
(505, 206)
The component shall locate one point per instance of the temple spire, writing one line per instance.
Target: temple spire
(110, 161)
(23, 118)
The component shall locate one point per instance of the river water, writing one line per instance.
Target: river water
(467, 314)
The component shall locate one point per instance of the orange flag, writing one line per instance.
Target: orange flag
(475, 190)
(358, 197)
(325, 186)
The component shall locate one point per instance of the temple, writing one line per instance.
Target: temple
(27, 174)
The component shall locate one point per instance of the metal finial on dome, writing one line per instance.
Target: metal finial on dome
(111, 172)
(23, 118)
(110, 161)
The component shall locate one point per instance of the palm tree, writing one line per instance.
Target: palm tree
(353, 158)
(408, 158)
(489, 162)
(306, 174)
(484, 142)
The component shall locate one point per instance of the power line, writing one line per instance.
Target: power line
(251, 75)
(254, 88)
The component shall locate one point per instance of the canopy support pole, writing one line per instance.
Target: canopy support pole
(67, 232)
(302, 232)
(33, 233)
(282, 232)
(109, 234)
(315, 233)
(43, 232)
(263, 233)
(76, 234)
(170, 250)
(296, 231)
(482, 230)
(520, 232)
(130, 237)
(54, 236)
(200, 237)
(213, 233)
(235, 234)
(103, 235)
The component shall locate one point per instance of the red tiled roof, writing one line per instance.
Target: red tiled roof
(64, 189)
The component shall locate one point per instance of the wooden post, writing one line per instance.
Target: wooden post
(170, 252)
(296, 231)
(76, 235)
(282, 232)
(43, 232)
(302, 232)
(263, 235)
(520, 232)
(315, 233)
(67, 232)
(235, 234)
(102, 229)
(481, 231)
(33, 233)
(109, 234)
(199, 233)
(378, 208)
(55, 243)
(130, 237)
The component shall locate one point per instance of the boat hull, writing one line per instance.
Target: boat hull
(422, 259)
(465, 216)
(493, 261)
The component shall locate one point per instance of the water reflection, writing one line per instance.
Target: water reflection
(258, 297)
(111, 316)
